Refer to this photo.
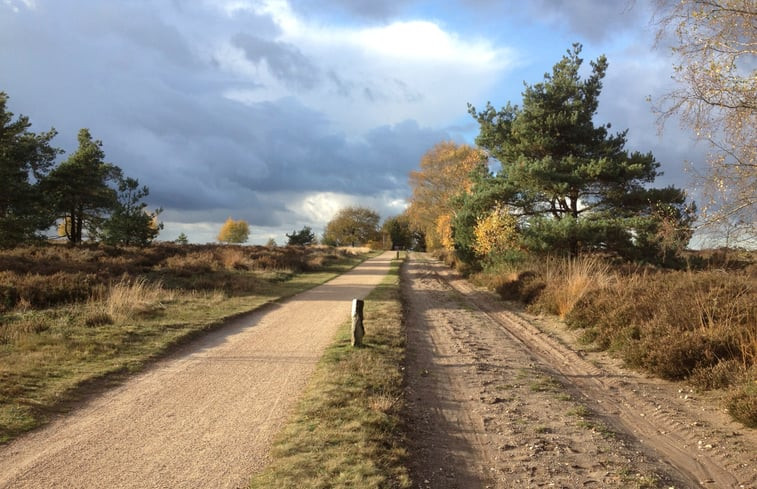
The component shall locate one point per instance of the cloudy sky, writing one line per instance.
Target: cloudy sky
(280, 112)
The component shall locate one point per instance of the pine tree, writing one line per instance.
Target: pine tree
(25, 159)
(572, 184)
(130, 223)
(80, 189)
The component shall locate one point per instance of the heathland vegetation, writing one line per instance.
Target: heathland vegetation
(74, 318)
(553, 211)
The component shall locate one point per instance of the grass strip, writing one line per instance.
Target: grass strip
(346, 430)
(61, 357)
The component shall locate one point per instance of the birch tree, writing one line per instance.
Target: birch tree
(715, 50)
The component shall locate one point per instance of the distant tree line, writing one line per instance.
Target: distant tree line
(88, 197)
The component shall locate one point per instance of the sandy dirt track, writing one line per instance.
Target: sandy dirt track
(498, 398)
(204, 417)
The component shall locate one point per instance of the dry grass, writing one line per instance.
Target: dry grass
(128, 298)
(568, 281)
(681, 325)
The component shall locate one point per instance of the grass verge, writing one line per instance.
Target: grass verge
(346, 430)
(50, 358)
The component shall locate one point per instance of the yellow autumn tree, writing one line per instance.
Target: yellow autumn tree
(445, 172)
(234, 231)
(495, 232)
(444, 232)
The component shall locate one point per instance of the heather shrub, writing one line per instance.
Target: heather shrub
(742, 404)
(232, 258)
(193, 262)
(674, 324)
(40, 291)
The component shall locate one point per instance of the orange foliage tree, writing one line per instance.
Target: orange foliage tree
(445, 172)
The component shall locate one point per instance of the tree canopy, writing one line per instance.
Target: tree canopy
(25, 159)
(398, 230)
(304, 236)
(83, 193)
(234, 231)
(571, 184)
(444, 172)
(352, 226)
(80, 189)
(130, 223)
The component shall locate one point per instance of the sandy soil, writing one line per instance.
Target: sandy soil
(497, 398)
(203, 418)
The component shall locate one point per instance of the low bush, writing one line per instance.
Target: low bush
(672, 324)
(39, 291)
(742, 404)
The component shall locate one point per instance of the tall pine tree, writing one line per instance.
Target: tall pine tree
(572, 184)
(80, 189)
(25, 159)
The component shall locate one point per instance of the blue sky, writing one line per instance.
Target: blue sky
(280, 112)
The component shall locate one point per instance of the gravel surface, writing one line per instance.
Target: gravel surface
(204, 417)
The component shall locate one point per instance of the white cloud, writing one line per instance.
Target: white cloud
(321, 207)
(424, 42)
(366, 76)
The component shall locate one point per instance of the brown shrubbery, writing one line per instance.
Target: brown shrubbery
(694, 325)
(44, 276)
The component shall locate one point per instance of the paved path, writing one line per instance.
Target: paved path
(202, 419)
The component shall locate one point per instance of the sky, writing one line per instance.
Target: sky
(282, 112)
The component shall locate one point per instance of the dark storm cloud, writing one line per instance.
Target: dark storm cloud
(595, 19)
(285, 61)
(592, 20)
(365, 9)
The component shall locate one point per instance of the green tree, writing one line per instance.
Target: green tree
(130, 223)
(234, 231)
(80, 190)
(25, 159)
(181, 239)
(398, 231)
(571, 184)
(304, 236)
(352, 226)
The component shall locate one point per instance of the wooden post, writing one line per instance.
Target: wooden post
(357, 322)
(398, 254)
